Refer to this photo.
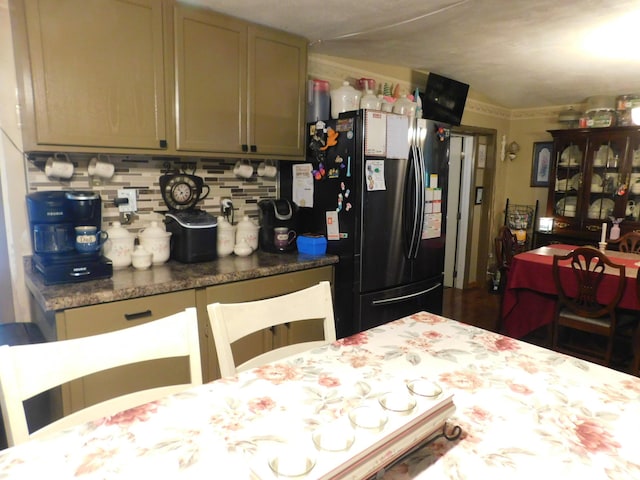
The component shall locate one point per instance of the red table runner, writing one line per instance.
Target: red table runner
(530, 295)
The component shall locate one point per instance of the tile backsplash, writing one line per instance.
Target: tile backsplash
(142, 173)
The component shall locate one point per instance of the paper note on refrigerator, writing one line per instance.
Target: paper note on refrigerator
(302, 185)
(397, 136)
(375, 175)
(432, 225)
(375, 133)
(333, 226)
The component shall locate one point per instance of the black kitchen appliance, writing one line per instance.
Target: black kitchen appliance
(193, 235)
(53, 216)
(194, 231)
(274, 213)
(378, 193)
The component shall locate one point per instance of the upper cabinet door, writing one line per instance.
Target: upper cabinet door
(211, 81)
(97, 72)
(277, 75)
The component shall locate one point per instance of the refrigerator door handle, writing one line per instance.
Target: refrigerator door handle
(387, 301)
(415, 167)
(420, 196)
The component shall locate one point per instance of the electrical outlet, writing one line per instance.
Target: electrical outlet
(131, 195)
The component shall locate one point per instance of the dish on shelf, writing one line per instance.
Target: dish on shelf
(603, 157)
(567, 206)
(574, 183)
(424, 388)
(334, 437)
(570, 157)
(561, 184)
(601, 208)
(636, 158)
(401, 402)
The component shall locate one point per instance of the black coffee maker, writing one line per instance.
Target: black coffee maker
(277, 213)
(53, 216)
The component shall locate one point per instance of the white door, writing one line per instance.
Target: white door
(459, 193)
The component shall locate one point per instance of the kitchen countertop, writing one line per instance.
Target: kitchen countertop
(170, 277)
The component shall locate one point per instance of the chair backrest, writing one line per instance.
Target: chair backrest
(505, 247)
(26, 370)
(233, 321)
(630, 242)
(588, 268)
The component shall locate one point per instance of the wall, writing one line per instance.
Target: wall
(143, 173)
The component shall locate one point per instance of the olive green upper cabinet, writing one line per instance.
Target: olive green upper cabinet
(239, 87)
(97, 73)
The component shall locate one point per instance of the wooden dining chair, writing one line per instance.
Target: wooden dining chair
(578, 307)
(505, 245)
(26, 370)
(630, 242)
(233, 321)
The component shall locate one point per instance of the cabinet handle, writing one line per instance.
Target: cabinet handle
(245, 147)
(163, 144)
(137, 315)
(254, 148)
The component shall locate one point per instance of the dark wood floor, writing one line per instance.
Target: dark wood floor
(475, 306)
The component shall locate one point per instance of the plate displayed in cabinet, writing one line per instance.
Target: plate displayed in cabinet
(570, 157)
(567, 206)
(636, 158)
(603, 157)
(574, 183)
(601, 208)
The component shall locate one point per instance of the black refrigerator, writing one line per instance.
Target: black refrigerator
(381, 203)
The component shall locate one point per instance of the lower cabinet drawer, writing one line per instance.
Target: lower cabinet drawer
(106, 317)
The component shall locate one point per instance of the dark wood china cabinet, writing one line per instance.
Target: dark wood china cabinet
(594, 178)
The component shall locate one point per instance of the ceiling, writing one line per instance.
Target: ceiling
(520, 54)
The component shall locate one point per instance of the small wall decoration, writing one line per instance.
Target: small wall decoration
(541, 164)
(479, 192)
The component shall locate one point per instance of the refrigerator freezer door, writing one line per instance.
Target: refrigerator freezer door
(383, 250)
(387, 305)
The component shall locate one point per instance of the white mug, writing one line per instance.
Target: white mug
(100, 168)
(243, 168)
(57, 167)
(267, 169)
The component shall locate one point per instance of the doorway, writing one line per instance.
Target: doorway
(469, 199)
(459, 191)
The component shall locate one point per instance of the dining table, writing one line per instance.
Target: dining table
(421, 397)
(530, 295)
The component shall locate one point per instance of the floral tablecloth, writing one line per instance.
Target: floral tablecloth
(525, 412)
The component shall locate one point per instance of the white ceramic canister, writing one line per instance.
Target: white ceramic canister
(119, 246)
(344, 99)
(226, 237)
(247, 231)
(156, 240)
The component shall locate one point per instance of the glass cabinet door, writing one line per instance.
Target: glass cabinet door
(632, 209)
(568, 169)
(607, 179)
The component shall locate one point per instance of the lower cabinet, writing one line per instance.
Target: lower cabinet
(106, 317)
(257, 289)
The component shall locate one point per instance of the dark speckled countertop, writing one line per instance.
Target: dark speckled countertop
(170, 277)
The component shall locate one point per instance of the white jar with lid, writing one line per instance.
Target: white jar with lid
(344, 99)
(226, 237)
(404, 106)
(118, 246)
(370, 101)
(247, 231)
(155, 239)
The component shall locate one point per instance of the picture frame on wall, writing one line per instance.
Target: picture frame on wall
(541, 164)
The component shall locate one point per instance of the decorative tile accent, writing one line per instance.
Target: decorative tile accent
(143, 173)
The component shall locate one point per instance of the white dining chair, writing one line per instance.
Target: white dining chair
(27, 370)
(233, 321)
